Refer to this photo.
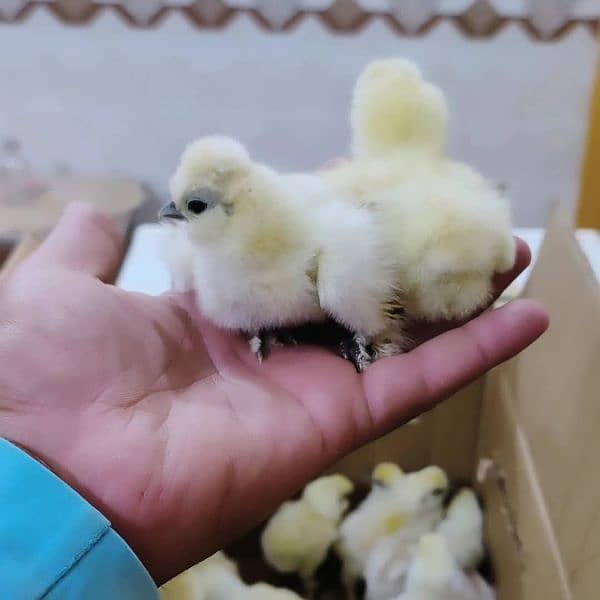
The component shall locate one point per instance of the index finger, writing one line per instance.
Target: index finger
(403, 386)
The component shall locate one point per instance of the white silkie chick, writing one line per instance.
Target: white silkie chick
(398, 233)
(299, 535)
(217, 578)
(447, 227)
(409, 503)
(462, 527)
(434, 575)
(388, 562)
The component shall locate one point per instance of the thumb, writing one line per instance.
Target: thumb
(83, 240)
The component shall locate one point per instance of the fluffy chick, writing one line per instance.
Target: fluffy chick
(434, 575)
(398, 233)
(410, 503)
(446, 226)
(248, 244)
(217, 578)
(299, 535)
(268, 250)
(388, 562)
(391, 103)
(462, 528)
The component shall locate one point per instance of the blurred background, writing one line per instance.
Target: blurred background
(112, 90)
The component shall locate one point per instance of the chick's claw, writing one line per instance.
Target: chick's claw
(357, 350)
(258, 347)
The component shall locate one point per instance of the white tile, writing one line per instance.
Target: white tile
(375, 5)
(240, 3)
(587, 8)
(277, 12)
(549, 15)
(454, 7)
(142, 10)
(414, 13)
(510, 8)
(316, 4)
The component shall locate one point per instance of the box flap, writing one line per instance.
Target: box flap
(555, 392)
(525, 554)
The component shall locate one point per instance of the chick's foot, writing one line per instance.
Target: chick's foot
(357, 350)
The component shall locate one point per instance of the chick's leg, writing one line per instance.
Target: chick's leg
(256, 346)
(260, 344)
(283, 337)
(394, 340)
(357, 349)
(264, 341)
(310, 588)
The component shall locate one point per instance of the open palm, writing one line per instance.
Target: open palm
(168, 425)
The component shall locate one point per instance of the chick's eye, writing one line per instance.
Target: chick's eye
(196, 206)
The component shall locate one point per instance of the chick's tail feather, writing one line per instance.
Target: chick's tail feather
(393, 106)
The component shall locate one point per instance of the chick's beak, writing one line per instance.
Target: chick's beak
(169, 211)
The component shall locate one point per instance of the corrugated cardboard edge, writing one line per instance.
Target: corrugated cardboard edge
(557, 398)
(539, 430)
(519, 533)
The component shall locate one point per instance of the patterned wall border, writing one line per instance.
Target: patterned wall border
(480, 19)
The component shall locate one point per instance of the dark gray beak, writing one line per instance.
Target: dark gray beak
(169, 211)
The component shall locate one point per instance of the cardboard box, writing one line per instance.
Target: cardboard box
(527, 436)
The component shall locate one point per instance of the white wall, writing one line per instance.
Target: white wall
(107, 98)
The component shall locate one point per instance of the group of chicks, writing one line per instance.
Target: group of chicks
(404, 540)
(395, 235)
(218, 578)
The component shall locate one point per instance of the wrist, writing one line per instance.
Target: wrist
(134, 537)
(30, 453)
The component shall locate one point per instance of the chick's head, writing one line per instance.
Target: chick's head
(208, 185)
(465, 508)
(328, 495)
(393, 106)
(385, 474)
(423, 490)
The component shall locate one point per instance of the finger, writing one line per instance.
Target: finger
(401, 387)
(522, 260)
(83, 240)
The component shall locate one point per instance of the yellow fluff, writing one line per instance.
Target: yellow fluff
(410, 501)
(398, 233)
(217, 578)
(392, 104)
(298, 536)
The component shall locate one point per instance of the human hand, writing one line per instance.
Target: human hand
(168, 425)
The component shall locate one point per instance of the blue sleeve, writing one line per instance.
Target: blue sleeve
(54, 545)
